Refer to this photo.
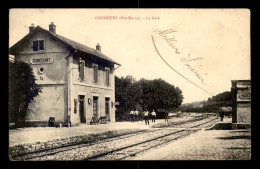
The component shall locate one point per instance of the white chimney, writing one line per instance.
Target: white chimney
(98, 47)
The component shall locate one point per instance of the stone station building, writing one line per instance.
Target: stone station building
(77, 81)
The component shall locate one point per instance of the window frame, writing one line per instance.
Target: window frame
(37, 41)
(96, 106)
(84, 64)
(95, 78)
(107, 76)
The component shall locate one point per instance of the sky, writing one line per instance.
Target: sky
(198, 50)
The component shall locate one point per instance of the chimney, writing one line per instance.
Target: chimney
(52, 28)
(98, 47)
(31, 28)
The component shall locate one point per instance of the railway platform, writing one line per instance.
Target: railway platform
(93, 142)
(205, 145)
(29, 135)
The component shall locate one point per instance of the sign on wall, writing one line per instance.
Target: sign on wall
(244, 84)
(95, 90)
(41, 60)
(243, 95)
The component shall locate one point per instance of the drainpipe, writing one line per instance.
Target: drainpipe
(69, 85)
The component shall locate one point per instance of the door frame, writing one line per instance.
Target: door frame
(95, 95)
(84, 109)
(109, 107)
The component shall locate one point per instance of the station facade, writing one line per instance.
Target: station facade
(241, 115)
(77, 81)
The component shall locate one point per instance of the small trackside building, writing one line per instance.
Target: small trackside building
(241, 98)
(77, 81)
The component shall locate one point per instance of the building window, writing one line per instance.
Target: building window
(38, 45)
(107, 70)
(81, 69)
(95, 73)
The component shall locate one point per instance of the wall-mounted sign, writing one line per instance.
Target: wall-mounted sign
(243, 95)
(41, 61)
(95, 90)
(244, 84)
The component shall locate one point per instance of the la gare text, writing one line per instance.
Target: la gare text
(127, 18)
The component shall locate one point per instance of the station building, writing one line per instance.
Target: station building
(241, 92)
(77, 81)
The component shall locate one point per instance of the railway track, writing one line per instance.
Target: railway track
(122, 147)
(132, 150)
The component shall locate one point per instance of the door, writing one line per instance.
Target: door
(82, 109)
(95, 107)
(107, 108)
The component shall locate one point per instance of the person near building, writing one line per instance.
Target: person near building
(146, 118)
(132, 115)
(136, 115)
(221, 113)
(166, 116)
(153, 116)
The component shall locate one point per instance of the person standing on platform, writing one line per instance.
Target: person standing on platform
(136, 115)
(166, 116)
(132, 115)
(146, 118)
(221, 113)
(153, 116)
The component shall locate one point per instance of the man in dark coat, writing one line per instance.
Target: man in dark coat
(221, 113)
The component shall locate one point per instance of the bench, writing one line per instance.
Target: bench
(103, 119)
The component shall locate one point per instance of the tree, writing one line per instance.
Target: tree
(127, 93)
(158, 94)
(21, 89)
(145, 94)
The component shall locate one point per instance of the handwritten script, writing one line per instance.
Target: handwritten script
(169, 37)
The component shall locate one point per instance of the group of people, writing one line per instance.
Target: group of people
(134, 116)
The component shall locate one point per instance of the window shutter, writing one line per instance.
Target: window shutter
(41, 44)
(95, 74)
(107, 76)
(35, 45)
(81, 70)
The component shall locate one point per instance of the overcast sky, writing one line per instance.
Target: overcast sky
(215, 43)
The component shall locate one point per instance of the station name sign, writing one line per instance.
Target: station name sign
(41, 60)
(243, 84)
(243, 95)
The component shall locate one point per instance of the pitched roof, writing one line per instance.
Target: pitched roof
(226, 109)
(71, 43)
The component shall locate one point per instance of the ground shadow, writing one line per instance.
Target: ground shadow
(239, 148)
(234, 137)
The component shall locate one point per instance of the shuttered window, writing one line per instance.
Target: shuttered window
(107, 76)
(41, 45)
(95, 73)
(38, 45)
(35, 45)
(81, 70)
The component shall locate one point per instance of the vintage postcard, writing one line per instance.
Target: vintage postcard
(129, 84)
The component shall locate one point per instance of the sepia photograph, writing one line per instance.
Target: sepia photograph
(129, 84)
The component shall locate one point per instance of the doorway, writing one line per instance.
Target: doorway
(82, 115)
(107, 108)
(95, 107)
